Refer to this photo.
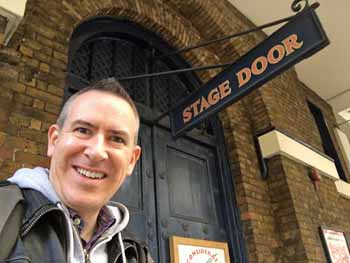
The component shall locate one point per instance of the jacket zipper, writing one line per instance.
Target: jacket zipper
(74, 232)
(41, 213)
(85, 252)
(87, 256)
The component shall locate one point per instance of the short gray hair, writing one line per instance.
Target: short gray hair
(111, 86)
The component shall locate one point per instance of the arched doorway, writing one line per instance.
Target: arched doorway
(181, 187)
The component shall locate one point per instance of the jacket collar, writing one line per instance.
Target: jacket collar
(36, 206)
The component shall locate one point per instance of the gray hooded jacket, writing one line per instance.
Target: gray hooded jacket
(38, 179)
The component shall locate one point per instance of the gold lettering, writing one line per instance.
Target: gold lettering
(195, 108)
(225, 89)
(290, 43)
(260, 60)
(187, 114)
(213, 96)
(243, 76)
(271, 55)
(274, 56)
(204, 105)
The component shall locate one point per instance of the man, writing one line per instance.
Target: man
(93, 147)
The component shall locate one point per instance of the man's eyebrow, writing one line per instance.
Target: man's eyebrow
(84, 123)
(88, 124)
(119, 132)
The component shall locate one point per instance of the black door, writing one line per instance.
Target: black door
(177, 186)
(138, 194)
(174, 190)
(188, 194)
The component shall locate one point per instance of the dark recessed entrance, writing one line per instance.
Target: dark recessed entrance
(181, 187)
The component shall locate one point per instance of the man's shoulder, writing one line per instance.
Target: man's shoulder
(29, 199)
(11, 193)
(10, 217)
(6, 187)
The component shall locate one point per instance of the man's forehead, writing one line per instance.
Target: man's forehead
(92, 94)
(87, 105)
(93, 97)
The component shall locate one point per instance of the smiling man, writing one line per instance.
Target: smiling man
(93, 148)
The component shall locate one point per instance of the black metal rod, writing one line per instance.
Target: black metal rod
(163, 73)
(85, 81)
(213, 41)
(161, 116)
(176, 71)
(209, 42)
(296, 5)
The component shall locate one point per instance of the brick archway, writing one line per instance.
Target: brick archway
(46, 33)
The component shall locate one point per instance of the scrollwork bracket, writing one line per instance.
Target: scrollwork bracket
(297, 5)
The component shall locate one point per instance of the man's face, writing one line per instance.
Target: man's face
(94, 150)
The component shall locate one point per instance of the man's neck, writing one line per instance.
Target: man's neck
(90, 220)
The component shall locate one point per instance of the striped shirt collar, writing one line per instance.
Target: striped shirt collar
(104, 221)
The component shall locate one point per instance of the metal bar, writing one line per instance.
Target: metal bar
(157, 119)
(209, 42)
(296, 5)
(213, 41)
(163, 73)
(85, 81)
(170, 72)
(161, 116)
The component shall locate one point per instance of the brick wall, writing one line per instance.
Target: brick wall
(329, 117)
(280, 215)
(300, 208)
(23, 117)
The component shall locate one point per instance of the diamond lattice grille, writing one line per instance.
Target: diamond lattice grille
(103, 58)
(81, 62)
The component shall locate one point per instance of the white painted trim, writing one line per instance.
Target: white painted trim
(344, 145)
(275, 143)
(12, 24)
(15, 6)
(343, 188)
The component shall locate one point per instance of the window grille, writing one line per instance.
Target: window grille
(105, 57)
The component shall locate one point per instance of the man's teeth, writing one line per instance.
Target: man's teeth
(93, 175)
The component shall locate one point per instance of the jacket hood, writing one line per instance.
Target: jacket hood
(38, 179)
(121, 214)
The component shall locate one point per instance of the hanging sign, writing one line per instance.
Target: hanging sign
(300, 38)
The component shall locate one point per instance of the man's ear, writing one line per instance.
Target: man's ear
(134, 158)
(52, 136)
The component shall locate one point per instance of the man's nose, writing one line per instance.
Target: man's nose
(96, 149)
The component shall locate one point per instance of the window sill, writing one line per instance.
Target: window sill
(343, 188)
(275, 142)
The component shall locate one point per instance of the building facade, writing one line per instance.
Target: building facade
(208, 184)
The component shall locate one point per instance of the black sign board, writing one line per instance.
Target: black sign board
(300, 38)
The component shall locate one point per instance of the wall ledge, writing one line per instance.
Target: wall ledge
(343, 188)
(277, 143)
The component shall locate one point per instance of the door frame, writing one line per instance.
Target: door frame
(131, 31)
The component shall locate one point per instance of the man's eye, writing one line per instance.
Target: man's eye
(82, 130)
(117, 139)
